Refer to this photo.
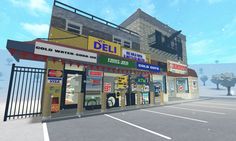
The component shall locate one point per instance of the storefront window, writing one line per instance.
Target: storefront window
(182, 85)
(73, 86)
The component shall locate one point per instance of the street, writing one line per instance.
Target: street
(205, 120)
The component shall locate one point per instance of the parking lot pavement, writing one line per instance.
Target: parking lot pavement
(191, 121)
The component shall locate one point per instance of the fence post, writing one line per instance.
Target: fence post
(9, 92)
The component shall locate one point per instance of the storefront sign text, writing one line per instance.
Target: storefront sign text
(107, 87)
(64, 52)
(105, 60)
(175, 67)
(148, 67)
(134, 55)
(104, 46)
(95, 73)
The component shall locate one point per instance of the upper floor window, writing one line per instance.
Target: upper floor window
(123, 42)
(73, 27)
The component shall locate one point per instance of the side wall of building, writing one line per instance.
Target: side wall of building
(144, 29)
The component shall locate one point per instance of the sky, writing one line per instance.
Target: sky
(209, 25)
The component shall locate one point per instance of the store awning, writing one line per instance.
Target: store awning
(190, 73)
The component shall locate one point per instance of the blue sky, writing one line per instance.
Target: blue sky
(210, 25)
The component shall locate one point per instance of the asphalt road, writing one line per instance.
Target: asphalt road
(208, 120)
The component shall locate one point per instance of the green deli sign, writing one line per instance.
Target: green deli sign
(105, 60)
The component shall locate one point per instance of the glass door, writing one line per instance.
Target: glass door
(72, 86)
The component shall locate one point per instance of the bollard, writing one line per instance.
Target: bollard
(80, 104)
(103, 102)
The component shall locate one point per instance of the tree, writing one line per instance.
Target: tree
(204, 78)
(201, 71)
(217, 61)
(216, 80)
(228, 80)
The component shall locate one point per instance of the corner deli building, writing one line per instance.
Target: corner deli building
(93, 64)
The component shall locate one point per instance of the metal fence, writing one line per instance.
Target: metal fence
(24, 92)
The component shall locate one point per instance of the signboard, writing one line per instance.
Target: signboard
(107, 87)
(104, 46)
(122, 82)
(54, 80)
(175, 67)
(105, 60)
(64, 52)
(95, 73)
(141, 80)
(148, 67)
(134, 55)
(55, 73)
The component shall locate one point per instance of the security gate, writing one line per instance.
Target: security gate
(24, 92)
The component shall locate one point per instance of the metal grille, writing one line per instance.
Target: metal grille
(24, 92)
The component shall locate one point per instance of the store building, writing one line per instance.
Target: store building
(91, 63)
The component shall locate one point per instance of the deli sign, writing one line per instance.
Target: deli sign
(104, 46)
(64, 52)
(175, 67)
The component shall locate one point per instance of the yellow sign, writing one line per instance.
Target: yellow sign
(122, 82)
(104, 46)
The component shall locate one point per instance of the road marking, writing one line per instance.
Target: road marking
(45, 132)
(139, 127)
(212, 103)
(188, 118)
(197, 110)
(208, 106)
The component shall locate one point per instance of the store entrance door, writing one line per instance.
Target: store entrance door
(73, 83)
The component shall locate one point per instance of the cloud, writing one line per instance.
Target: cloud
(200, 47)
(229, 29)
(35, 6)
(37, 30)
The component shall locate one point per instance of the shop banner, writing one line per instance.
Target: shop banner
(95, 73)
(148, 67)
(175, 67)
(104, 46)
(134, 55)
(64, 52)
(105, 60)
(107, 87)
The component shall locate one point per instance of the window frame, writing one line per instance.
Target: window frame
(122, 43)
(76, 24)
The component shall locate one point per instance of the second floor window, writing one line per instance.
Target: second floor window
(125, 43)
(74, 27)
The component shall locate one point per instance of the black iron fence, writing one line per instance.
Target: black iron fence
(24, 92)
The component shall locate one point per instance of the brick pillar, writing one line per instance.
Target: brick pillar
(80, 104)
(138, 97)
(46, 107)
(123, 99)
(161, 98)
(152, 98)
(103, 102)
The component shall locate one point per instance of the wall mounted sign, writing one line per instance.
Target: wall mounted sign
(175, 67)
(107, 87)
(141, 80)
(104, 46)
(64, 52)
(148, 67)
(133, 55)
(122, 82)
(95, 73)
(54, 80)
(105, 60)
(55, 73)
